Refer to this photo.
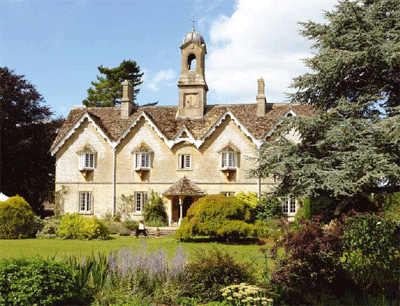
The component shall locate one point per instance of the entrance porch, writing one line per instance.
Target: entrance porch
(181, 196)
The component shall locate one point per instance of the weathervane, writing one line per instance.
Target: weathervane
(193, 20)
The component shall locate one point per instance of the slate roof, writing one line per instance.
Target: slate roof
(184, 187)
(164, 117)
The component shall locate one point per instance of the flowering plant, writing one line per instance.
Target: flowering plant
(245, 294)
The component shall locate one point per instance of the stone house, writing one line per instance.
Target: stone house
(182, 152)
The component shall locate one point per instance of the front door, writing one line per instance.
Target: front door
(187, 201)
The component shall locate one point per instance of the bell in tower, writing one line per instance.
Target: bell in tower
(192, 84)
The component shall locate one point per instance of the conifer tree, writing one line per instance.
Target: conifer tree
(107, 91)
(351, 147)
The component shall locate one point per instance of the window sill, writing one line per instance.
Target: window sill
(85, 213)
(184, 169)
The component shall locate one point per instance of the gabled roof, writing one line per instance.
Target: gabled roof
(168, 127)
(184, 187)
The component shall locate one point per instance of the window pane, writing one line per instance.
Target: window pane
(292, 205)
(83, 201)
(285, 206)
(137, 165)
(146, 160)
(88, 201)
(138, 201)
(223, 160)
(187, 165)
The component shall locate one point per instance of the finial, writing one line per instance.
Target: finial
(193, 20)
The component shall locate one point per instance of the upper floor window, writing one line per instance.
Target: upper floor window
(87, 158)
(228, 160)
(289, 206)
(140, 200)
(185, 162)
(142, 160)
(85, 202)
(86, 161)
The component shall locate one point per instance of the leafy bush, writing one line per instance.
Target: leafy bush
(310, 268)
(130, 224)
(116, 228)
(154, 211)
(38, 282)
(250, 198)
(210, 272)
(217, 216)
(74, 226)
(372, 250)
(247, 294)
(16, 219)
(304, 212)
(268, 208)
(49, 229)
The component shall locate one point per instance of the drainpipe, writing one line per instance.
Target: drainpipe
(259, 177)
(113, 181)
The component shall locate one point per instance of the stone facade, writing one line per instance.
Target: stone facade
(104, 153)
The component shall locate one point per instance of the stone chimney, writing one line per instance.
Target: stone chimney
(127, 102)
(261, 100)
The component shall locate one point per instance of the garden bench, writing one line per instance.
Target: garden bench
(141, 230)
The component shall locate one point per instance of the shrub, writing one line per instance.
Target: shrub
(372, 249)
(74, 226)
(154, 211)
(38, 282)
(16, 219)
(210, 272)
(217, 216)
(310, 267)
(247, 294)
(49, 229)
(116, 228)
(130, 224)
(250, 198)
(269, 207)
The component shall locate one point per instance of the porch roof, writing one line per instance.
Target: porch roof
(184, 187)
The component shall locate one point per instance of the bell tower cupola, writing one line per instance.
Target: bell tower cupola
(192, 84)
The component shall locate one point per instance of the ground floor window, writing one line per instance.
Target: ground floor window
(289, 206)
(140, 199)
(85, 202)
(228, 193)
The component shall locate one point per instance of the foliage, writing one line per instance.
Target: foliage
(269, 207)
(210, 271)
(107, 91)
(250, 198)
(38, 282)
(352, 150)
(127, 206)
(310, 267)
(130, 224)
(16, 219)
(372, 250)
(74, 226)
(357, 55)
(26, 135)
(116, 228)
(154, 211)
(217, 216)
(245, 294)
(50, 227)
(144, 273)
(59, 200)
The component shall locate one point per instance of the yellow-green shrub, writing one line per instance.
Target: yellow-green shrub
(16, 218)
(74, 226)
(217, 216)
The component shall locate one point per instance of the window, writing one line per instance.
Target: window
(86, 161)
(142, 160)
(228, 193)
(185, 162)
(140, 199)
(228, 160)
(85, 202)
(289, 206)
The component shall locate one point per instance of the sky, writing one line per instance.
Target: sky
(58, 45)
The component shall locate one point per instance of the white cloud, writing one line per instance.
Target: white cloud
(261, 38)
(162, 77)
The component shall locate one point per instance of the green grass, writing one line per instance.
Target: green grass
(58, 248)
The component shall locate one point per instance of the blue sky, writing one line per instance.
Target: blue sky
(58, 45)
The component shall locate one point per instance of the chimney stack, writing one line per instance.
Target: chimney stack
(261, 100)
(127, 102)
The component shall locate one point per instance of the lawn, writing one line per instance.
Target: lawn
(48, 248)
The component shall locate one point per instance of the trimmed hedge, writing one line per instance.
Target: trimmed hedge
(38, 282)
(16, 219)
(74, 226)
(217, 216)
